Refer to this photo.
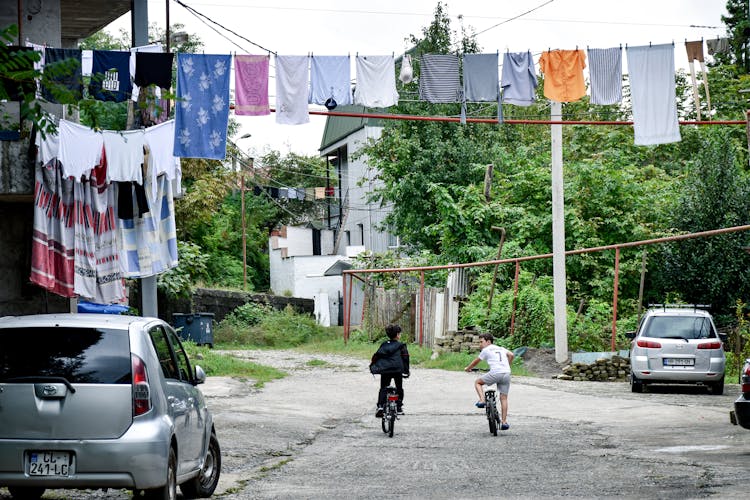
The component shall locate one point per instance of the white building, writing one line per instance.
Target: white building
(307, 262)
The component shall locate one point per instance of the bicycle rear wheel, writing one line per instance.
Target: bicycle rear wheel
(392, 424)
(492, 418)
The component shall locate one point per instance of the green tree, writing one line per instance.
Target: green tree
(714, 194)
(18, 76)
(738, 30)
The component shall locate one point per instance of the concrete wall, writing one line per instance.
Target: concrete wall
(303, 275)
(17, 295)
(40, 25)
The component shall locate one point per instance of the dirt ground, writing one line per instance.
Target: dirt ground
(541, 362)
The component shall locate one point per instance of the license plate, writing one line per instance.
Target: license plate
(49, 463)
(679, 362)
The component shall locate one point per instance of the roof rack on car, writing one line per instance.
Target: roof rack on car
(681, 306)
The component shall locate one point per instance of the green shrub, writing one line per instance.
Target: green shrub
(262, 326)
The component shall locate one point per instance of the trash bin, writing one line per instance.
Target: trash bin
(196, 327)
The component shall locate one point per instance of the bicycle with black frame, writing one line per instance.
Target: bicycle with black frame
(390, 410)
(490, 407)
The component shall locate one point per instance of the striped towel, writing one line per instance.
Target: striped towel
(438, 80)
(605, 73)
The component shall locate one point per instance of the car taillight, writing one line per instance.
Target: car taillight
(141, 389)
(710, 345)
(648, 344)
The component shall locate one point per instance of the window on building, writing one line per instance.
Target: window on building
(361, 230)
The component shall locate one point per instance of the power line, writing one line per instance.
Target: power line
(516, 17)
(198, 14)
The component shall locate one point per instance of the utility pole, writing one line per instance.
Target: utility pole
(558, 237)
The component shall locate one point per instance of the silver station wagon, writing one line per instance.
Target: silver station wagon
(101, 401)
(677, 344)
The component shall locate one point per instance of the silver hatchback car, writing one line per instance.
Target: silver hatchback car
(102, 401)
(677, 344)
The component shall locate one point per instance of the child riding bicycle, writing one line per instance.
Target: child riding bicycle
(499, 359)
(391, 361)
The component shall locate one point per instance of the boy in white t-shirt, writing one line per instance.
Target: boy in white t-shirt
(499, 359)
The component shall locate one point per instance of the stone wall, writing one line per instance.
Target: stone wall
(459, 341)
(613, 369)
(220, 303)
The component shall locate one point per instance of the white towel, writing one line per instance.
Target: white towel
(330, 77)
(376, 82)
(292, 80)
(652, 89)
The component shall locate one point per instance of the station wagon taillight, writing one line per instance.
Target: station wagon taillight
(648, 344)
(141, 389)
(710, 345)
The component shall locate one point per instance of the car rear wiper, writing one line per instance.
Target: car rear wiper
(676, 337)
(41, 378)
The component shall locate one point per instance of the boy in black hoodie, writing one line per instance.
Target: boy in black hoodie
(391, 361)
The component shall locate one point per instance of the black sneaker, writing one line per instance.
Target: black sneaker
(400, 411)
(379, 413)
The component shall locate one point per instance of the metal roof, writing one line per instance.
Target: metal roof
(338, 127)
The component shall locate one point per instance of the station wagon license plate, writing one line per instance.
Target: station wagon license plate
(49, 463)
(679, 362)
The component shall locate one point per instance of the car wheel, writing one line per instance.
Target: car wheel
(204, 484)
(635, 384)
(26, 492)
(169, 490)
(717, 388)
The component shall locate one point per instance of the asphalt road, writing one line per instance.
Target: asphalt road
(313, 434)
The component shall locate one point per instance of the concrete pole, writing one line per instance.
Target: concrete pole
(139, 19)
(558, 237)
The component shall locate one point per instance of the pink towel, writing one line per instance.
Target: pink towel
(251, 85)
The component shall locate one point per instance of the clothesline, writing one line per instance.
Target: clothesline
(386, 116)
(203, 82)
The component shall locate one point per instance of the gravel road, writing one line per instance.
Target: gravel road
(313, 434)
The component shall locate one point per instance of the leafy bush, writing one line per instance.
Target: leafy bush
(262, 326)
(178, 282)
(249, 314)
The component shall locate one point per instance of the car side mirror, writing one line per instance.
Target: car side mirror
(200, 375)
(630, 335)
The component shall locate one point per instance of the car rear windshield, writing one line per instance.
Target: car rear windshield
(80, 355)
(679, 327)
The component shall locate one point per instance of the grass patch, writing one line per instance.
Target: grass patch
(215, 364)
(317, 362)
(418, 356)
